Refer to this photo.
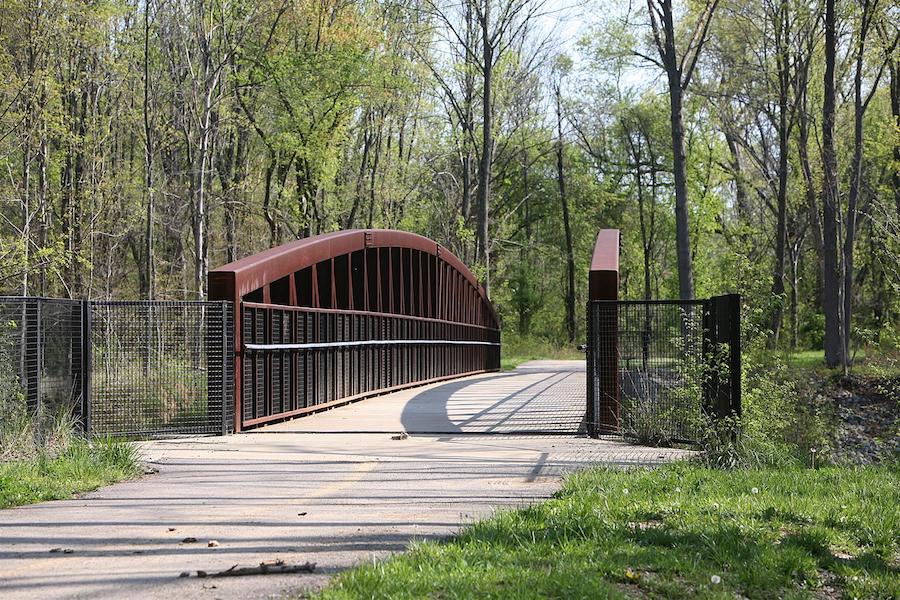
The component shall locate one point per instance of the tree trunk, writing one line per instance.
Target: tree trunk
(781, 34)
(895, 112)
(525, 249)
(855, 176)
(570, 255)
(148, 292)
(487, 142)
(741, 197)
(795, 284)
(682, 227)
(831, 300)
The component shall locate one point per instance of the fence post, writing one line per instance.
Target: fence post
(590, 417)
(603, 284)
(224, 348)
(729, 327)
(38, 334)
(721, 325)
(86, 365)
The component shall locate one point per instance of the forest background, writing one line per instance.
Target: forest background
(739, 147)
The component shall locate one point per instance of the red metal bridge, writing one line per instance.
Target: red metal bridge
(341, 316)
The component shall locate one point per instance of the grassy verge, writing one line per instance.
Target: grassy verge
(676, 532)
(80, 467)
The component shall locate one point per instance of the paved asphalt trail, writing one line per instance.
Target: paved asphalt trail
(337, 498)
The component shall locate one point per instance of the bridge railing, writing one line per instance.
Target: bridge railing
(298, 360)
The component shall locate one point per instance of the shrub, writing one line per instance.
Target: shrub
(775, 429)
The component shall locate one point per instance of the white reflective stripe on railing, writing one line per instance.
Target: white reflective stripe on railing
(314, 346)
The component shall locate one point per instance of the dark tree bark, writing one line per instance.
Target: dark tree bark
(679, 164)
(742, 198)
(570, 255)
(784, 125)
(895, 112)
(679, 71)
(831, 300)
(148, 291)
(487, 144)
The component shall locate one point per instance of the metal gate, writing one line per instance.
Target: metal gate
(659, 370)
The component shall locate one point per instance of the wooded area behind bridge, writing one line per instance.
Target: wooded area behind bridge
(740, 147)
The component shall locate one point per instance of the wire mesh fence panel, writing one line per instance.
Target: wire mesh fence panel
(41, 345)
(650, 365)
(160, 368)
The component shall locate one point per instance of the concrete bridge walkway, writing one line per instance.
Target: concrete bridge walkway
(335, 488)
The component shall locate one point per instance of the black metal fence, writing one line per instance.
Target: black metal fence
(122, 368)
(298, 360)
(42, 353)
(658, 371)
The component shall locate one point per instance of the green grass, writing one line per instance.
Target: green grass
(680, 531)
(815, 359)
(866, 362)
(81, 467)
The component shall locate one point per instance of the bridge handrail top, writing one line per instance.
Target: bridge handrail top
(350, 343)
(365, 313)
(606, 251)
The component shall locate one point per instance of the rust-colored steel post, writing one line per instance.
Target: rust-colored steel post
(222, 287)
(603, 284)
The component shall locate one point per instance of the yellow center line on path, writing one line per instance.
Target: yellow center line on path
(358, 473)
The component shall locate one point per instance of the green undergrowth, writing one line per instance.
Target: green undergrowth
(680, 531)
(42, 457)
(517, 350)
(81, 467)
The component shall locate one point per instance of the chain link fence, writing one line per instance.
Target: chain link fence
(121, 368)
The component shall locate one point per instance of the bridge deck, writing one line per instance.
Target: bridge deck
(538, 397)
